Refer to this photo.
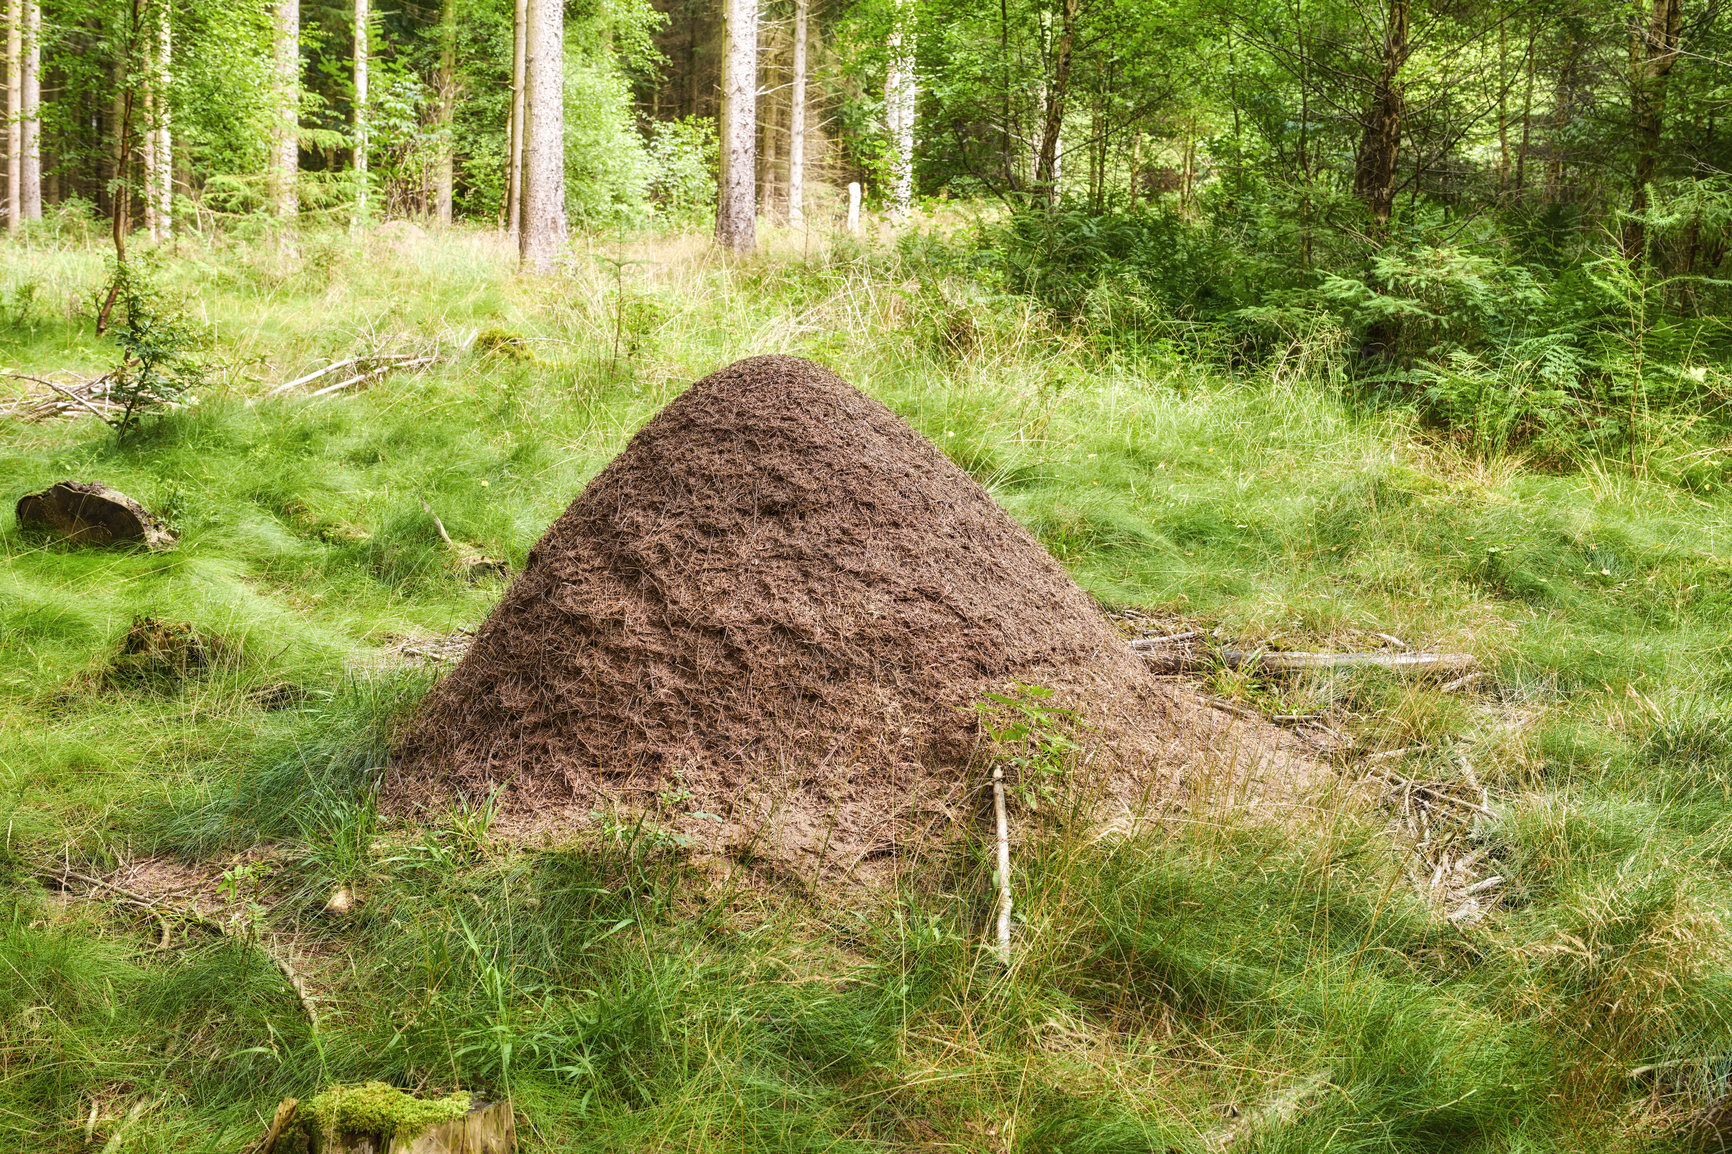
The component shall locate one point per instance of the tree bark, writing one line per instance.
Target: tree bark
(1046, 174)
(285, 143)
(767, 126)
(362, 48)
(1380, 140)
(14, 114)
(736, 215)
(514, 175)
(900, 96)
(1654, 44)
(797, 119)
(447, 109)
(30, 193)
(543, 225)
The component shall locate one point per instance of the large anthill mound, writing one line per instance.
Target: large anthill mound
(764, 623)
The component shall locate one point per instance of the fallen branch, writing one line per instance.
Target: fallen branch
(196, 917)
(1143, 644)
(1004, 906)
(370, 375)
(1274, 662)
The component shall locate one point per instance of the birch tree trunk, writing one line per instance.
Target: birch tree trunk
(736, 215)
(362, 48)
(285, 143)
(543, 225)
(797, 119)
(159, 179)
(899, 100)
(31, 175)
(514, 177)
(147, 148)
(447, 108)
(14, 110)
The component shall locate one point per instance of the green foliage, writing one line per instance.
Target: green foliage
(156, 367)
(683, 159)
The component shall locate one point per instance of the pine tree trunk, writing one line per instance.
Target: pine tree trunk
(285, 143)
(1654, 46)
(14, 114)
(1380, 140)
(30, 192)
(447, 108)
(736, 215)
(543, 224)
(514, 159)
(797, 119)
(362, 48)
(900, 94)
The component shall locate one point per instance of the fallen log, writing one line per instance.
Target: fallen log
(1269, 661)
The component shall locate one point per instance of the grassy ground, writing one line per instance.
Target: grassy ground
(628, 999)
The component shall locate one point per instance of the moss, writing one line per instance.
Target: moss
(378, 1110)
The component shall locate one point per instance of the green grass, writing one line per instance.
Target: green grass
(626, 997)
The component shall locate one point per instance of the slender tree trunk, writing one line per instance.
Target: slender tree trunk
(1047, 170)
(1527, 111)
(1563, 108)
(14, 114)
(1654, 44)
(1503, 160)
(447, 108)
(736, 215)
(901, 94)
(162, 177)
(363, 32)
(797, 119)
(514, 175)
(147, 148)
(30, 193)
(543, 226)
(1380, 140)
(285, 143)
(767, 121)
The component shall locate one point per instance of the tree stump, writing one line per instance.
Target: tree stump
(488, 1128)
(84, 514)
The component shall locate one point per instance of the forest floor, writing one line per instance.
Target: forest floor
(171, 843)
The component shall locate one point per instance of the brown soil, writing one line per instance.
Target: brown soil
(765, 623)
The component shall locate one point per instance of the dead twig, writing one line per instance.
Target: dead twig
(1276, 662)
(1004, 902)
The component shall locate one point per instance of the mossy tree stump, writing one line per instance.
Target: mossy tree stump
(378, 1119)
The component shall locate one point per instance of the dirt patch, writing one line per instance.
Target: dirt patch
(765, 623)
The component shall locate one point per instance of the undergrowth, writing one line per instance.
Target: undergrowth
(622, 993)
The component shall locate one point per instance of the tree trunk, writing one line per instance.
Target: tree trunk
(767, 125)
(448, 108)
(1380, 141)
(158, 138)
(1521, 163)
(14, 114)
(797, 119)
(736, 215)
(30, 193)
(1046, 174)
(148, 150)
(1563, 107)
(362, 48)
(514, 158)
(900, 95)
(285, 143)
(542, 233)
(1654, 45)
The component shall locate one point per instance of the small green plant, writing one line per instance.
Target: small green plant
(376, 1110)
(155, 369)
(1031, 736)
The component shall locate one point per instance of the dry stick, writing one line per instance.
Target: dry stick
(315, 375)
(1294, 662)
(67, 393)
(193, 915)
(1003, 864)
(370, 374)
(439, 525)
(1140, 644)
